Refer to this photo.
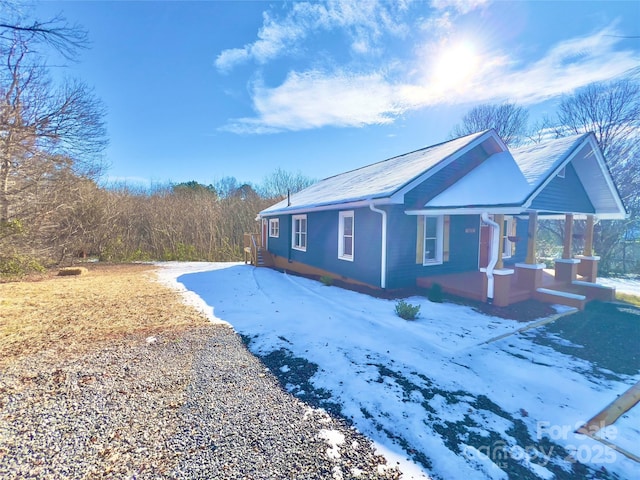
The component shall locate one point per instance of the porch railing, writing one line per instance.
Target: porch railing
(252, 244)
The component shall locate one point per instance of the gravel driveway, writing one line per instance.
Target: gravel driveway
(189, 403)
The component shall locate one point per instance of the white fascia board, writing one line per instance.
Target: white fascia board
(398, 197)
(321, 208)
(579, 216)
(611, 216)
(607, 177)
(621, 214)
(467, 211)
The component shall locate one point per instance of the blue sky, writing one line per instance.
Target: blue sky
(203, 90)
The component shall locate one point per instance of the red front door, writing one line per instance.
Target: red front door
(265, 233)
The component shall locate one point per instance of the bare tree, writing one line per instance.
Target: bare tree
(41, 123)
(612, 111)
(67, 39)
(280, 182)
(508, 119)
(51, 136)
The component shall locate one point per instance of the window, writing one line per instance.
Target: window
(432, 240)
(345, 236)
(508, 230)
(274, 227)
(299, 240)
(562, 173)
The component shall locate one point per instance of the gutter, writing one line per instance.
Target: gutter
(495, 245)
(383, 256)
(338, 205)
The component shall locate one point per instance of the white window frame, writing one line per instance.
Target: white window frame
(439, 237)
(274, 228)
(298, 236)
(342, 236)
(507, 245)
(562, 173)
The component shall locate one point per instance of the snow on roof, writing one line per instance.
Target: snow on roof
(507, 178)
(496, 181)
(379, 180)
(538, 161)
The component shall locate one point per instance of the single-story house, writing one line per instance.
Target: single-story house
(462, 213)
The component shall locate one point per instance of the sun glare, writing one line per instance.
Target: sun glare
(456, 66)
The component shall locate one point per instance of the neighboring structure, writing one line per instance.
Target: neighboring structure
(462, 213)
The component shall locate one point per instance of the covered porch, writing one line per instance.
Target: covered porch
(571, 282)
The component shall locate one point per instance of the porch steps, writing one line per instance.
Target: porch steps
(259, 258)
(263, 258)
(594, 291)
(563, 298)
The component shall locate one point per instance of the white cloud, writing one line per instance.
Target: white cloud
(461, 6)
(363, 21)
(231, 57)
(567, 66)
(314, 99)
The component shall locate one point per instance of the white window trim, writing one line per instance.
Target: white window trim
(507, 244)
(439, 241)
(563, 172)
(274, 232)
(341, 217)
(295, 234)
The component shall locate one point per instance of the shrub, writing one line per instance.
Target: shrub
(406, 310)
(326, 280)
(19, 265)
(435, 293)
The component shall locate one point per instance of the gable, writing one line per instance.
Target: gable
(495, 182)
(562, 195)
(451, 173)
(585, 159)
(473, 174)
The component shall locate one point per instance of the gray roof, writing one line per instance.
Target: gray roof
(503, 179)
(376, 181)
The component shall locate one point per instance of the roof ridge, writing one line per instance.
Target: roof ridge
(430, 147)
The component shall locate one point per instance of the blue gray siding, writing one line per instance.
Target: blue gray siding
(322, 244)
(280, 245)
(402, 268)
(564, 195)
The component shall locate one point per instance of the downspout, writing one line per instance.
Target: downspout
(383, 259)
(495, 245)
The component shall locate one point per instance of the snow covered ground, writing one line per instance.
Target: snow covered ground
(629, 284)
(430, 393)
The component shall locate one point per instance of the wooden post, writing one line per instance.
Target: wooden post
(532, 236)
(588, 237)
(568, 236)
(499, 219)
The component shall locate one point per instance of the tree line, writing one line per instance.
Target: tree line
(53, 208)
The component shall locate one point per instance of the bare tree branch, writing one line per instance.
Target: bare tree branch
(508, 119)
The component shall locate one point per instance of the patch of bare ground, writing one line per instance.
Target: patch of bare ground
(110, 375)
(67, 314)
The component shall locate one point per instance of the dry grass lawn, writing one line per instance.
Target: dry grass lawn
(73, 313)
